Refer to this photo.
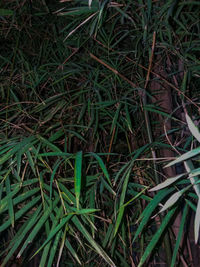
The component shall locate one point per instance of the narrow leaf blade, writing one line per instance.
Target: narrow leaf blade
(77, 176)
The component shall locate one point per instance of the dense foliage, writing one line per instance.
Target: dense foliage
(96, 97)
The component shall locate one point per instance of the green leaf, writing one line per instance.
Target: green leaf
(30, 223)
(10, 200)
(102, 166)
(20, 213)
(83, 211)
(180, 235)
(72, 251)
(54, 248)
(77, 176)
(53, 175)
(92, 242)
(115, 118)
(48, 144)
(19, 199)
(25, 143)
(194, 172)
(4, 201)
(47, 247)
(128, 118)
(54, 231)
(107, 186)
(54, 154)
(31, 162)
(135, 197)
(152, 109)
(156, 236)
(146, 214)
(79, 11)
(6, 12)
(19, 161)
(37, 227)
(122, 199)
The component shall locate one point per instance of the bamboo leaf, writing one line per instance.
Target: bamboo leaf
(156, 237)
(48, 144)
(192, 127)
(6, 12)
(47, 247)
(37, 227)
(31, 162)
(19, 199)
(102, 166)
(54, 232)
(128, 118)
(193, 179)
(20, 213)
(119, 218)
(77, 176)
(115, 118)
(167, 182)
(83, 211)
(194, 172)
(185, 156)
(174, 198)
(92, 242)
(10, 200)
(122, 199)
(197, 222)
(54, 154)
(53, 175)
(89, 3)
(72, 251)
(107, 186)
(54, 248)
(146, 214)
(180, 235)
(30, 223)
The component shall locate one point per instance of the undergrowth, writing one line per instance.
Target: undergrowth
(84, 133)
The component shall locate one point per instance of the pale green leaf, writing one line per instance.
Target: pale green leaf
(193, 179)
(192, 127)
(167, 182)
(197, 222)
(174, 198)
(89, 3)
(185, 156)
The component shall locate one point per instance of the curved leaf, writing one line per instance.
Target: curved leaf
(192, 127)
